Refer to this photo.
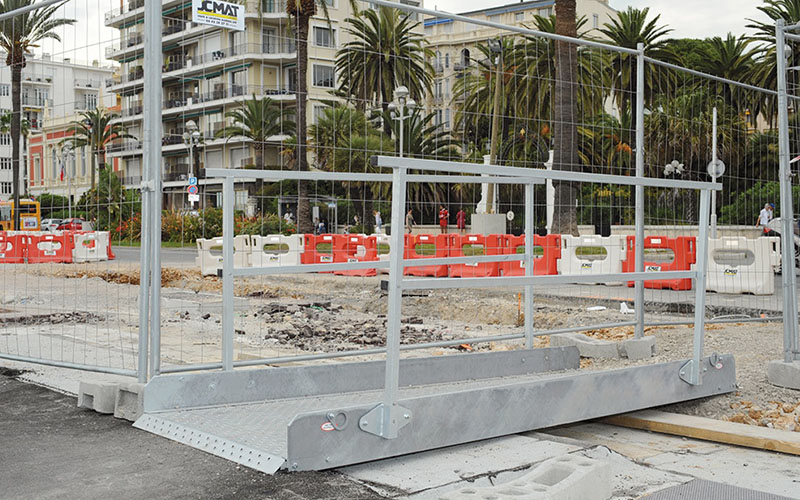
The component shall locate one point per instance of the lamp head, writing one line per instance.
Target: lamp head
(392, 107)
(401, 92)
(411, 104)
(191, 126)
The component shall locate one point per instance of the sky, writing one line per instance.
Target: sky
(688, 18)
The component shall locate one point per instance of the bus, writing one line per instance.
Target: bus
(30, 215)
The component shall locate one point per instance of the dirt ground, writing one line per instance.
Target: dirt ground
(306, 314)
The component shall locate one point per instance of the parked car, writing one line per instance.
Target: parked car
(50, 224)
(75, 224)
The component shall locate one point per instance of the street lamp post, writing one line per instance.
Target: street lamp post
(66, 154)
(715, 169)
(399, 105)
(191, 138)
(496, 48)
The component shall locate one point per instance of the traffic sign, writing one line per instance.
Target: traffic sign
(192, 181)
(194, 197)
(192, 189)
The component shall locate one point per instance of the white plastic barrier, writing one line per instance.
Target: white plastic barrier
(211, 263)
(281, 250)
(381, 240)
(741, 265)
(91, 246)
(572, 263)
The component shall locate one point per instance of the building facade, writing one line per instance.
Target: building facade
(454, 43)
(208, 71)
(51, 90)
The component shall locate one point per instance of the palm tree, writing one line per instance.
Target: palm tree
(565, 132)
(384, 52)
(630, 28)
(18, 35)
(96, 131)
(260, 120)
(729, 58)
(301, 11)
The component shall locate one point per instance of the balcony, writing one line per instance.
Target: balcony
(129, 6)
(88, 83)
(123, 145)
(269, 46)
(130, 180)
(133, 109)
(438, 67)
(36, 101)
(176, 172)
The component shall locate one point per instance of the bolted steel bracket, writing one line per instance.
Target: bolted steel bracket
(688, 374)
(385, 421)
(147, 186)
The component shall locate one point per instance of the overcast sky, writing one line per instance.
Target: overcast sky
(688, 18)
(87, 39)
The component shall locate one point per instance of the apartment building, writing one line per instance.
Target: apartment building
(454, 43)
(208, 71)
(51, 90)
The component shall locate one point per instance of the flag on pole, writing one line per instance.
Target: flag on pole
(61, 174)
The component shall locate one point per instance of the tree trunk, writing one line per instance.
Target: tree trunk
(16, 118)
(304, 222)
(565, 133)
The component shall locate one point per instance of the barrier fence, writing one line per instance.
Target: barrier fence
(479, 129)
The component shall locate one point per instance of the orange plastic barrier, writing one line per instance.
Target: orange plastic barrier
(12, 248)
(412, 250)
(490, 245)
(312, 255)
(55, 247)
(545, 264)
(684, 250)
(355, 248)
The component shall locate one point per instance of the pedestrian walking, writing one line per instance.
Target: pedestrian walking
(443, 215)
(764, 217)
(378, 222)
(410, 222)
(461, 221)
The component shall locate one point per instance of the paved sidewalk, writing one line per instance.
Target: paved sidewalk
(51, 449)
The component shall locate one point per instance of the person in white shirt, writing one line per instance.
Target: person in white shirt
(764, 217)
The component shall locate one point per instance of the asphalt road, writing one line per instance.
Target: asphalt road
(169, 256)
(51, 449)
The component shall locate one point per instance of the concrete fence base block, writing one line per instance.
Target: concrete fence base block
(642, 348)
(563, 478)
(587, 346)
(129, 401)
(784, 374)
(98, 396)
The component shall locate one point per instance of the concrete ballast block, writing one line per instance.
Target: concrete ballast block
(587, 346)
(98, 396)
(642, 348)
(563, 478)
(129, 401)
(784, 374)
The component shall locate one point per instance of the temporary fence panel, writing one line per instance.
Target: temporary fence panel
(743, 265)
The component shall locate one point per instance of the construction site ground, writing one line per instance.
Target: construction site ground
(88, 313)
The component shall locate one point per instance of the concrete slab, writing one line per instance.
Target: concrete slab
(643, 348)
(587, 346)
(433, 469)
(560, 478)
(784, 374)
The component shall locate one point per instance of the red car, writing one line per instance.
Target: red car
(75, 224)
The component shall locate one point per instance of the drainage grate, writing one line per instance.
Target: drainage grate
(709, 490)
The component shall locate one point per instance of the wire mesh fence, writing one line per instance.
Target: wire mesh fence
(325, 90)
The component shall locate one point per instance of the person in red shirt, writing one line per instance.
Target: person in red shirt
(443, 215)
(461, 221)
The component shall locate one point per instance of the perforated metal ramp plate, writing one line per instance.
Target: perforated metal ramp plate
(709, 490)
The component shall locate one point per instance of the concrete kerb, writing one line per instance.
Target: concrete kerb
(560, 478)
(589, 347)
(784, 374)
(98, 396)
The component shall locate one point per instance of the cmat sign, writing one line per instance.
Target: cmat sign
(220, 14)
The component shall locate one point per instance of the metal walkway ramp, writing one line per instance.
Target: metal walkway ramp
(301, 418)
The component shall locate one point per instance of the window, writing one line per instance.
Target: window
(324, 37)
(83, 161)
(90, 100)
(595, 21)
(53, 163)
(446, 28)
(329, 3)
(324, 76)
(544, 12)
(428, 30)
(519, 16)
(437, 89)
(291, 79)
(37, 165)
(465, 57)
(447, 60)
(5, 163)
(5, 90)
(5, 139)
(5, 188)
(317, 113)
(447, 119)
(269, 41)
